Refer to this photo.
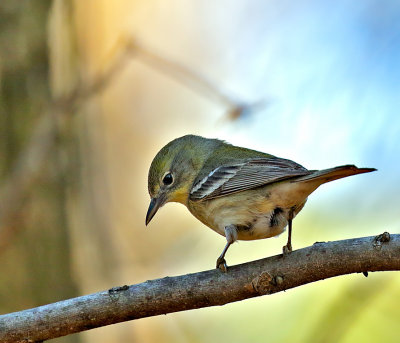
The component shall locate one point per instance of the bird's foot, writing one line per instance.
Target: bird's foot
(221, 264)
(287, 249)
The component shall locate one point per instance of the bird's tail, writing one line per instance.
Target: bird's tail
(331, 174)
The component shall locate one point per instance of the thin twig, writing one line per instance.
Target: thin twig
(185, 75)
(196, 81)
(208, 288)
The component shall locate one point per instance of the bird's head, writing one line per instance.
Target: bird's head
(174, 170)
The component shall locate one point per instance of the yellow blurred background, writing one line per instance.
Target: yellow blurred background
(324, 81)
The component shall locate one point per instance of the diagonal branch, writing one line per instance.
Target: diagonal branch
(208, 288)
(235, 107)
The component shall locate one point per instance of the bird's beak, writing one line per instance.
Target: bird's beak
(155, 204)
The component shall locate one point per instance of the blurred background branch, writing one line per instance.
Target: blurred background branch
(204, 289)
(236, 108)
(30, 163)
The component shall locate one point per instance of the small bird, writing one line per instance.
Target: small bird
(240, 193)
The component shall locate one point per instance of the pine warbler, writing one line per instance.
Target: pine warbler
(239, 193)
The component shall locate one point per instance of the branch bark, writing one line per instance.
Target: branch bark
(208, 288)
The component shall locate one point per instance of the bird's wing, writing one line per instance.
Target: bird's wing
(237, 177)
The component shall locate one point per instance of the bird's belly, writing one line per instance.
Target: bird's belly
(262, 228)
(255, 214)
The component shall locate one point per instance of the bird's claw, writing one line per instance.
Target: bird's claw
(287, 249)
(221, 264)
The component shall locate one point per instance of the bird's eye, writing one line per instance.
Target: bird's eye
(167, 179)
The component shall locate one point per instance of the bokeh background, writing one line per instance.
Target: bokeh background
(91, 90)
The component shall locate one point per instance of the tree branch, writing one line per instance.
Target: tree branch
(209, 288)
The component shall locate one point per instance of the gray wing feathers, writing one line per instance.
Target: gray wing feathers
(213, 181)
(253, 173)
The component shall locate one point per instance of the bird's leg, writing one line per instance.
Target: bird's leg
(288, 247)
(221, 263)
(231, 236)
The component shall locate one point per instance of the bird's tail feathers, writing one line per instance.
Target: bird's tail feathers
(331, 174)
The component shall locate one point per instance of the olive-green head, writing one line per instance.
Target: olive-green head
(174, 170)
